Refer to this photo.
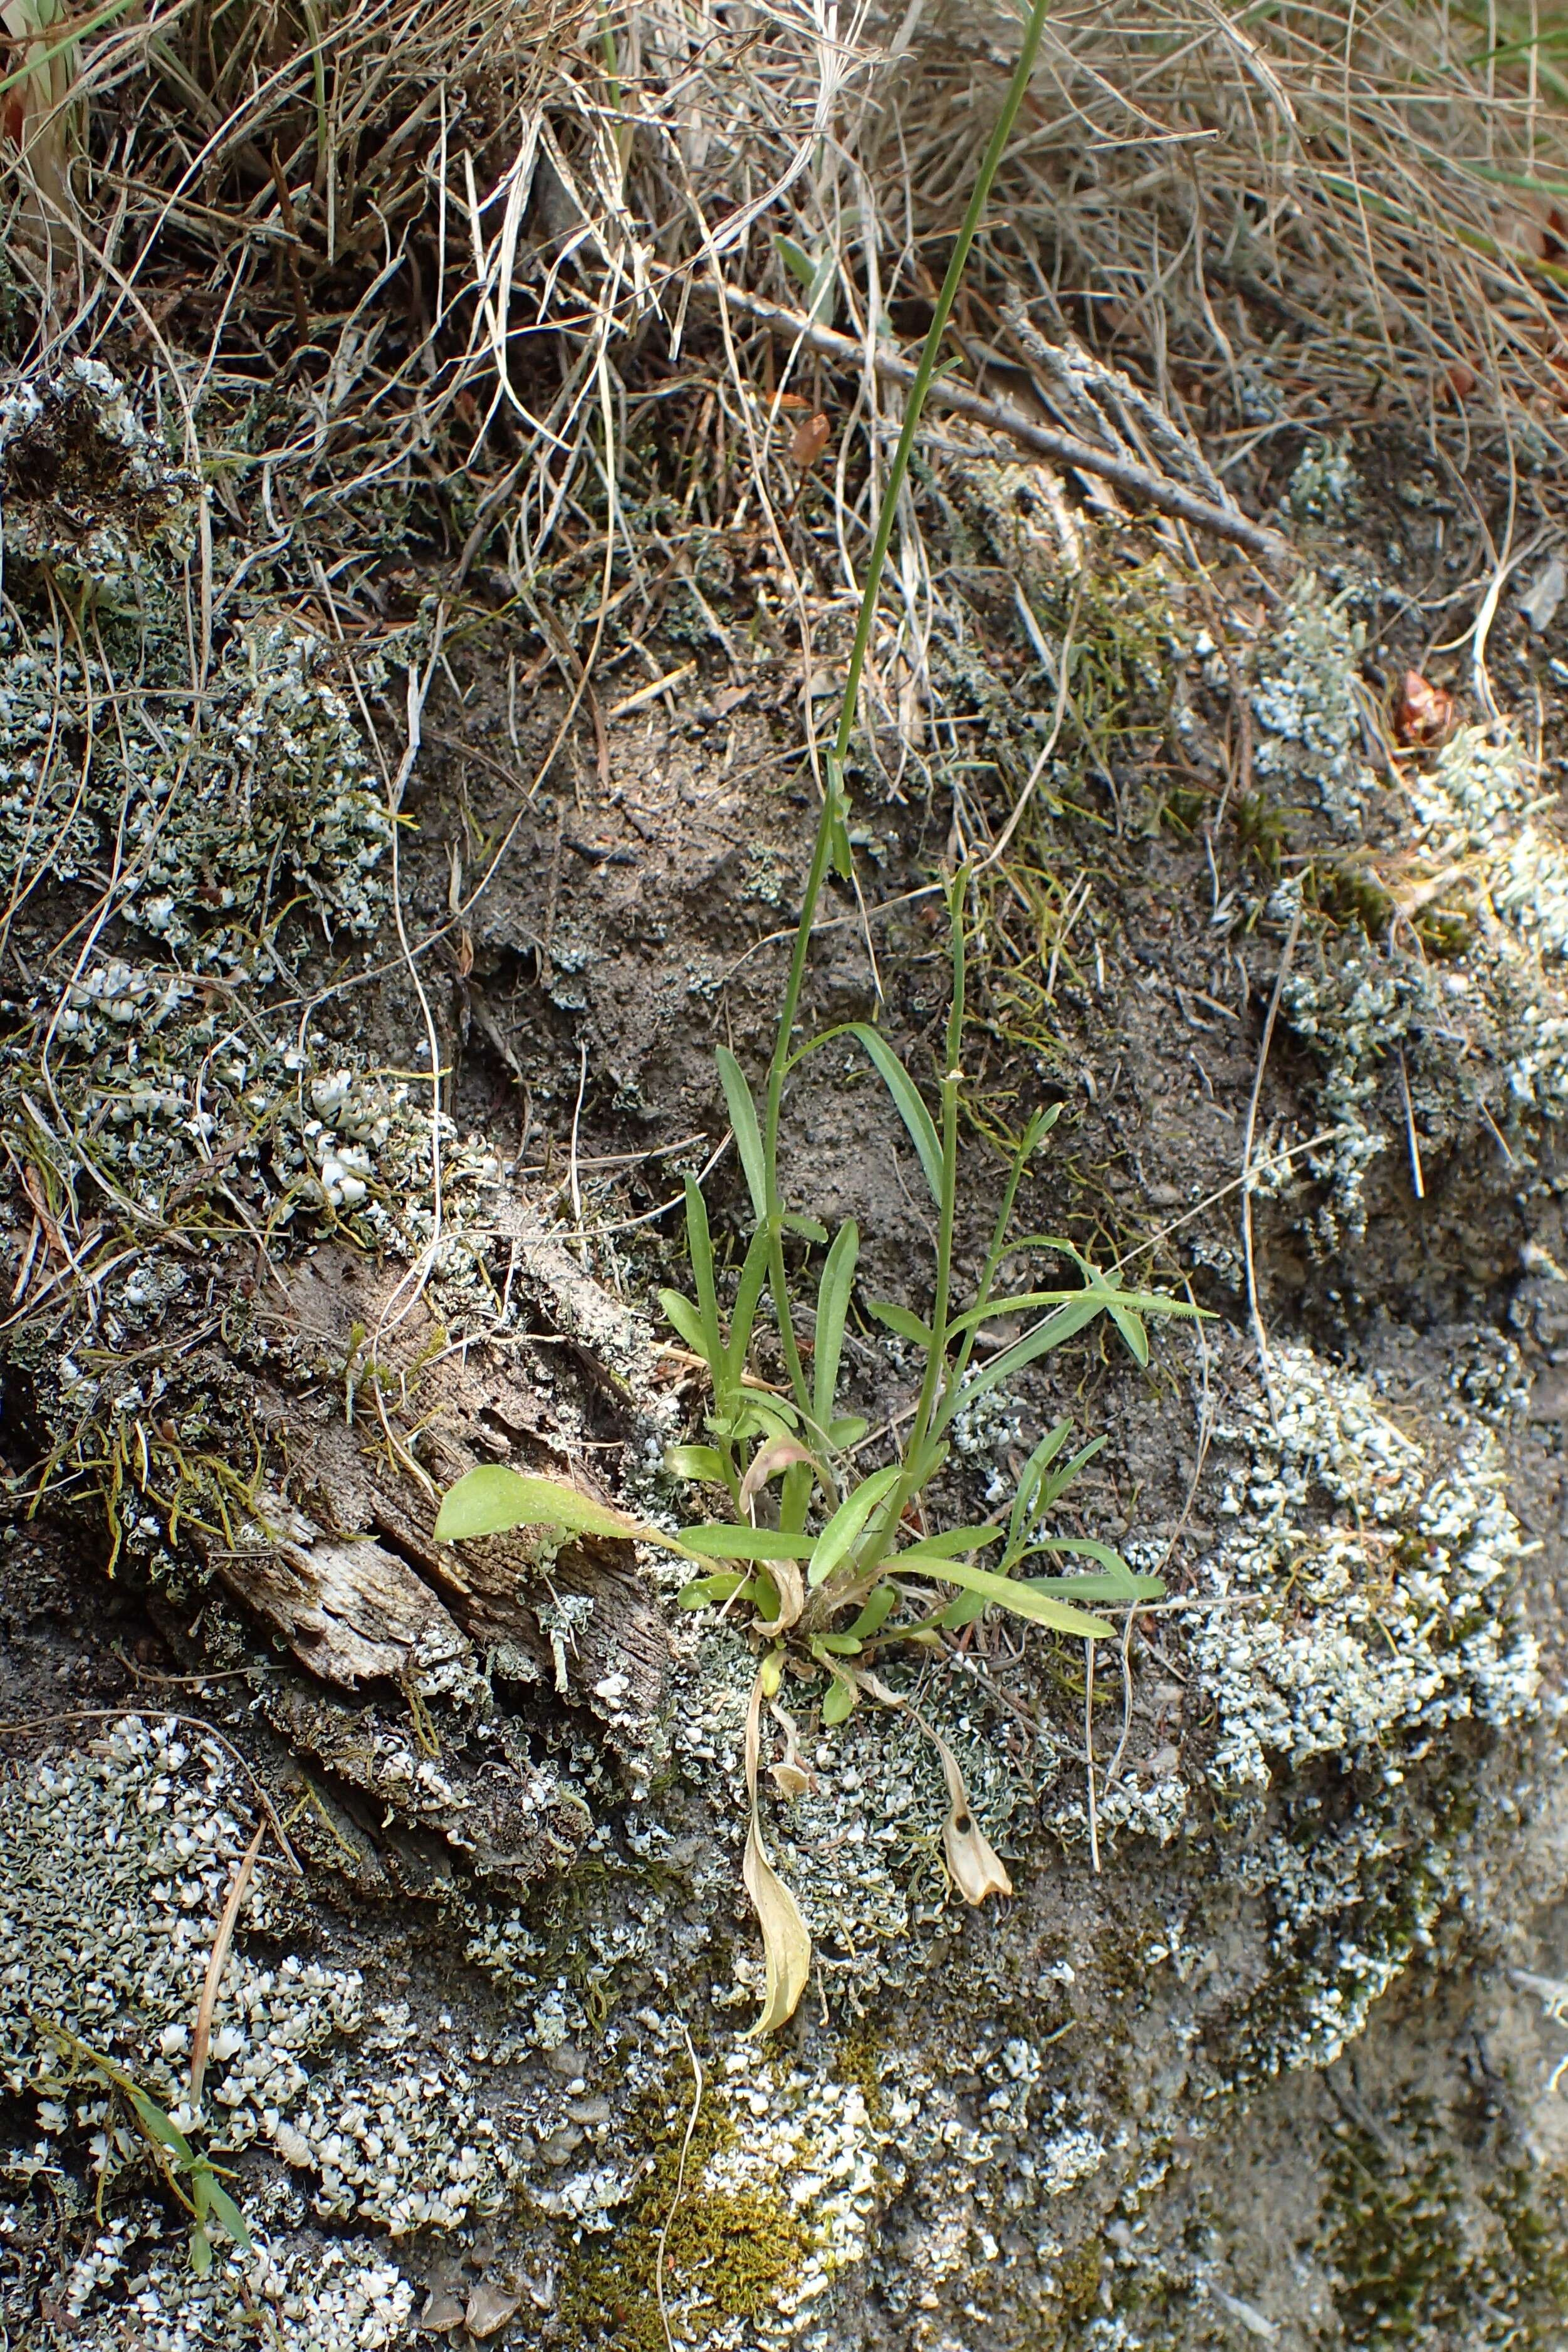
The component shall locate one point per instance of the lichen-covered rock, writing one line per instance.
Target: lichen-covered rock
(1368, 1586)
(491, 2060)
(86, 493)
(1303, 692)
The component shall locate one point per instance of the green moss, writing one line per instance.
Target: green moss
(1419, 2263)
(1078, 2279)
(860, 2062)
(729, 2253)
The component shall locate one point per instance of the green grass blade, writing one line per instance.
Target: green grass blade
(796, 260)
(699, 1249)
(899, 1319)
(753, 1274)
(951, 1544)
(1018, 1596)
(686, 1320)
(227, 2214)
(704, 1463)
(838, 1536)
(1062, 1325)
(718, 1539)
(907, 1100)
(832, 1308)
(748, 1134)
(710, 1591)
(879, 1608)
(1023, 1512)
(1114, 1300)
(1129, 1323)
(154, 2121)
(491, 1500)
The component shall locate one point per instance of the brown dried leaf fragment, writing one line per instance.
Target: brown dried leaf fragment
(1423, 714)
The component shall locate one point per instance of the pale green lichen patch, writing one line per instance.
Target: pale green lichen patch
(1459, 983)
(89, 493)
(1304, 698)
(337, 2294)
(1371, 1614)
(114, 1866)
(1371, 1584)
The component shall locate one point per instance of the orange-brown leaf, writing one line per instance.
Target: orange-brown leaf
(809, 440)
(1423, 714)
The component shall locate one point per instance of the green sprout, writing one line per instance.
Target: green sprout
(826, 1564)
(191, 2179)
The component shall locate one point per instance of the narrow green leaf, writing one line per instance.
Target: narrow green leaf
(1034, 1470)
(1136, 1303)
(820, 304)
(491, 1500)
(228, 2215)
(840, 1700)
(796, 1494)
(846, 1430)
(1083, 1547)
(1129, 1323)
(711, 1591)
(1107, 1587)
(687, 1322)
(843, 1528)
(899, 1319)
(201, 2251)
(1026, 1302)
(923, 1466)
(951, 1544)
(748, 1134)
(1062, 1325)
(832, 1308)
(907, 1100)
(1017, 1595)
(704, 1463)
(719, 1540)
(154, 2121)
(838, 1646)
(748, 1293)
(879, 1608)
(763, 1416)
(808, 1228)
(699, 1249)
(1056, 1482)
(798, 262)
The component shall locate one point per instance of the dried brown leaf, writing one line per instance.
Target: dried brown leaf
(808, 441)
(1423, 714)
(786, 1943)
(973, 1865)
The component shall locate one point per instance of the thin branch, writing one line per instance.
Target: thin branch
(1138, 481)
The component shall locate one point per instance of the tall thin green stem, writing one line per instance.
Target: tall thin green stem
(831, 826)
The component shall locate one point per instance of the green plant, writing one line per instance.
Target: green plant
(192, 2179)
(844, 1567)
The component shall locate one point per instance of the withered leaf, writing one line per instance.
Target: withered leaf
(786, 1942)
(809, 440)
(1423, 714)
(974, 1865)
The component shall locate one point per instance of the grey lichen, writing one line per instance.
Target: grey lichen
(1370, 1606)
(1304, 698)
(114, 1866)
(1369, 1581)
